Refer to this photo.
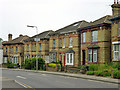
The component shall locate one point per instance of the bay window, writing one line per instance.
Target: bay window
(92, 55)
(69, 59)
(116, 51)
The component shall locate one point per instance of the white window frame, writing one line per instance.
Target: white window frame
(63, 42)
(71, 42)
(94, 36)
(115, 51)
(68, 59)
(93, 55)
(83, 37)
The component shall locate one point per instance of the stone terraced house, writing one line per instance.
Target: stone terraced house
(42, 46)
(13, 50)
(96, 41)
(80, 43)
(64, 44)
(115, 33)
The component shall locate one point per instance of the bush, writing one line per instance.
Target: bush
(93, 67)
(116, 74)
(12, 65)
(31, 63)
(90, 72)
(106, 73)
(52, 65)
(80, 67)
(98, 73)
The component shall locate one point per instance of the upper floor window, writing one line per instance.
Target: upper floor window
(16, 49)
(27, 47)
(6, 49)
(40, 46)
(64, 43)
(94, 36)
(60, 43)
(54, 43)
(83, 37)
(34, 47)
(70, 42)
(119, 28)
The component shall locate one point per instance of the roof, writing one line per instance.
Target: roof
(18, 40)
(115, 17)
(43, 35)
(102, 20)
(71, 28)
(70, 51)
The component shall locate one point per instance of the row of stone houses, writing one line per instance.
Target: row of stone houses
(77, 44)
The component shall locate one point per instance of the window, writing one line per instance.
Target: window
(34, 47)
(119, 29)
(16, 49)
(92, 55)
(54, 43)
(27, 47)
(53, 57)
(83, 37)
(70, 42)
(64, 43)
(94, 36)
(40, 46)
(69, 59)
(116, 51)
(60, 43)
(16, 60)
(6, 49)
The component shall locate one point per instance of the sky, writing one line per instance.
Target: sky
(15, 15)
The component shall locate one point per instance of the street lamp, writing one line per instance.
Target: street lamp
(36, 44)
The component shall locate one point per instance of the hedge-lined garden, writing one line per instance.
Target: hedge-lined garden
(105, 70)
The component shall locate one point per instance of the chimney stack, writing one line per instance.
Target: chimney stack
(20, 35)
(114, 1)
(117, 2)
(9, 37)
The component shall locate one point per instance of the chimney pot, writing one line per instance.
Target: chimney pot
(20, 35)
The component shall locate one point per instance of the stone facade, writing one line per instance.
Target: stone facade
(13, 50)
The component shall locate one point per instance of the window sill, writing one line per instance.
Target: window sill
(69, 64)
(92, 62)
(115, 60)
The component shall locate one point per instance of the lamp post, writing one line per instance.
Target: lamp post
(36, 44)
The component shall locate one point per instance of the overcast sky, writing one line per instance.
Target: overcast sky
(47, 14)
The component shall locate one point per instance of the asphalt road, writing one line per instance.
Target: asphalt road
(39, 80)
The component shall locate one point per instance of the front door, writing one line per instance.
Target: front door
(83, 52)
(63, 59)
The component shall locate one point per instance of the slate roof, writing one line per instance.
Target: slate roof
(43, 35)
(71, 28)
(70, 51)
(115, 17)
(102, 20)
(18, 40)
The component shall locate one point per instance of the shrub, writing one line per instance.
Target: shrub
(116, 74)
(106, 73)
(98, 73)
(52, 65)
(93, 67)
(11, 65)
(90, 72)
(80, 67)
(31, 63)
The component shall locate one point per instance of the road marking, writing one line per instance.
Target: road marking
(21, 84)
(44, 74)
(21, 77)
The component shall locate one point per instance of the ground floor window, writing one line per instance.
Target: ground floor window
(116, 51)
(92, 55)
(69, 59)
(5, 59)
(53, 57)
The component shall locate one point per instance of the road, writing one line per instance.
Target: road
(39, 80)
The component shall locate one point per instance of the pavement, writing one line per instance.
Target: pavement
(83, 76)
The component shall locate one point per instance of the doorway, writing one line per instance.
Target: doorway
(83, 53)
